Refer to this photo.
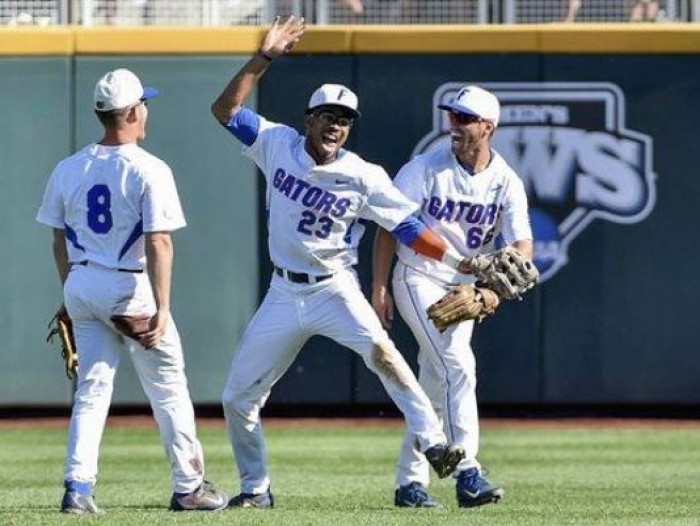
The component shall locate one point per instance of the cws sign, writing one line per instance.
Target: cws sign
(568, 142)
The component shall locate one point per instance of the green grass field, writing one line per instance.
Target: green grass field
(324, 475)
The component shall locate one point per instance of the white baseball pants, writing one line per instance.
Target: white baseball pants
(447, 372)
(289, 315)
(92, 295)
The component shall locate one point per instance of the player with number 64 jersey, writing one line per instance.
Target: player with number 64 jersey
(469, 195)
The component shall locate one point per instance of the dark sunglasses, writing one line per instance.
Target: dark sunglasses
(330, 118)
(463, 118)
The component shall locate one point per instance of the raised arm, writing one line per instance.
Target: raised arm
(279, 39)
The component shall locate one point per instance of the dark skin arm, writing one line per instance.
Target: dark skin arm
(279, 40)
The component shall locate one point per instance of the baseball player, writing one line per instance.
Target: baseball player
(112, 206)
(316, 193)
(468, 195)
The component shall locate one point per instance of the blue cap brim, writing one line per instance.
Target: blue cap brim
(149, 93)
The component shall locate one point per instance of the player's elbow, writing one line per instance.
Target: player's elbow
(158, 244)
(223, 112)
(220, 113)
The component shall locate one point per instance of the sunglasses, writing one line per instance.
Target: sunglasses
(330, 118)
(463, 118)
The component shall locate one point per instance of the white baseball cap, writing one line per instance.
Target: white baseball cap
(474, 100)
(120, 89)
(334, 95)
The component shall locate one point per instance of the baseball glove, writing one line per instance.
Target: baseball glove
(62, 326)
(464, 302)
(132, 326)
(506, 271)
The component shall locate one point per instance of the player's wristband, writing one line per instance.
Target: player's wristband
(451, 258)
(265, 55)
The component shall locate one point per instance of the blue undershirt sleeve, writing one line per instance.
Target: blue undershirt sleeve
(244, 125)
(408, 230)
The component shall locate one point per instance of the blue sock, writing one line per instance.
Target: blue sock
(81, 488)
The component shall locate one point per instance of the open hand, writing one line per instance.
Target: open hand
(282, 37)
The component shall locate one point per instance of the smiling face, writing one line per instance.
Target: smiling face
(469, 137)
(327, 130)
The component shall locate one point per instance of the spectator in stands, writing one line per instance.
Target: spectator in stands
(574, 6)
(355, 6)
(645, 11)
(642, 11)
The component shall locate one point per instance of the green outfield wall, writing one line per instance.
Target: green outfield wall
(599, 120)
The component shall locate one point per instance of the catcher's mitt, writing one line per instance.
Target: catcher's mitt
(506, 271)
(62, 326)
(464, 302)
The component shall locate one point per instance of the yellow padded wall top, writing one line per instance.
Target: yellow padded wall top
(428, 39)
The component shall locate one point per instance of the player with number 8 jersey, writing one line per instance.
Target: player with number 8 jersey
(112, 206)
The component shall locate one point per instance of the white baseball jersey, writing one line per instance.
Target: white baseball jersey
(467, 210)
(314, 210)
(313, 229)
(105, 197)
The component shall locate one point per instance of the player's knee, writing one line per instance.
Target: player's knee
(231, 401)
(237, 404)
(388, 362)
(93, 393)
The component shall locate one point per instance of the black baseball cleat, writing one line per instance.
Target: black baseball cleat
(204, 498)
(253, 500)
(444, 458)
(414, 495)
(473, 489)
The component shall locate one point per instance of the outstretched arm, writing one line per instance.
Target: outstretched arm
(279, 39)
(413, 233)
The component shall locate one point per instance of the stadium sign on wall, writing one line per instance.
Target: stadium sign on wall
(569, 144)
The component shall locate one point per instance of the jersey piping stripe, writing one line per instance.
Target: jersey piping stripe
(136, 233)
(414, 303)
(73, 237)
(348, 235)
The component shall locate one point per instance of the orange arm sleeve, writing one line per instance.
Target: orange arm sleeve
(430, 245)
